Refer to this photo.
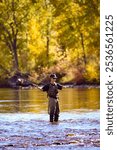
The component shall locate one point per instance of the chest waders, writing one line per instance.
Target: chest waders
(53, 105)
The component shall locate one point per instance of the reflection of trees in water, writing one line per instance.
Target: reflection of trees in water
(17, 100)
(80, 99)
(89, 98)
(21, 98)
(10, 101)
(13, 100)
(36, 101)
(31, 101)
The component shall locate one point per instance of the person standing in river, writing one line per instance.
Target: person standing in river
(52, 94)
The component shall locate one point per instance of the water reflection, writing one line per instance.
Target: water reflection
(36, 101)
(80, 98)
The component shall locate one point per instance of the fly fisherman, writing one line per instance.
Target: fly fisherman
(52, 93)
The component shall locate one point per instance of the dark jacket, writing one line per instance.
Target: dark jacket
(52, 87)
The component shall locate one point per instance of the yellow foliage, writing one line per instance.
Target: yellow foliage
(92, 71)
(35, 43)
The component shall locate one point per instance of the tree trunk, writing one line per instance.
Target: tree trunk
(47, 43)
(14, 35)
(82, 43)
(16, 64)
(47, 33)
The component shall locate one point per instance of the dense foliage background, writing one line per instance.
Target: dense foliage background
(44, 36)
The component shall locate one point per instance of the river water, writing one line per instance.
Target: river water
(24, 122)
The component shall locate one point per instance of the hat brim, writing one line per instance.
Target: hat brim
(55, 78)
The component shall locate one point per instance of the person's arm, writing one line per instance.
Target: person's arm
(59, 86)
(45, 87)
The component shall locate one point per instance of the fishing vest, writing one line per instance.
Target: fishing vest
(52, 91)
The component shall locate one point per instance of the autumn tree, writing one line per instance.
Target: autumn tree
(44, 36)
(13, 16)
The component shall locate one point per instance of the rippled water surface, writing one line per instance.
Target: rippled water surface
(24, 120)
(36, 101)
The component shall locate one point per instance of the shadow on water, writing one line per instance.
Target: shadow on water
(35, 101)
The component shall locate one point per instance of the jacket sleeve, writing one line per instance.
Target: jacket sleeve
(45, 87)
(59, 86)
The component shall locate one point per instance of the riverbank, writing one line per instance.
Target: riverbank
(13, 82)
(64, 85)
(77, 130)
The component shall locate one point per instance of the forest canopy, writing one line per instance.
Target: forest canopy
(44, 36)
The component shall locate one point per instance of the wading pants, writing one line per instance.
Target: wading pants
(53, 109)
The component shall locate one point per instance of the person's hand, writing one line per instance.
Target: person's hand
(64, 86)
(40, 88)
